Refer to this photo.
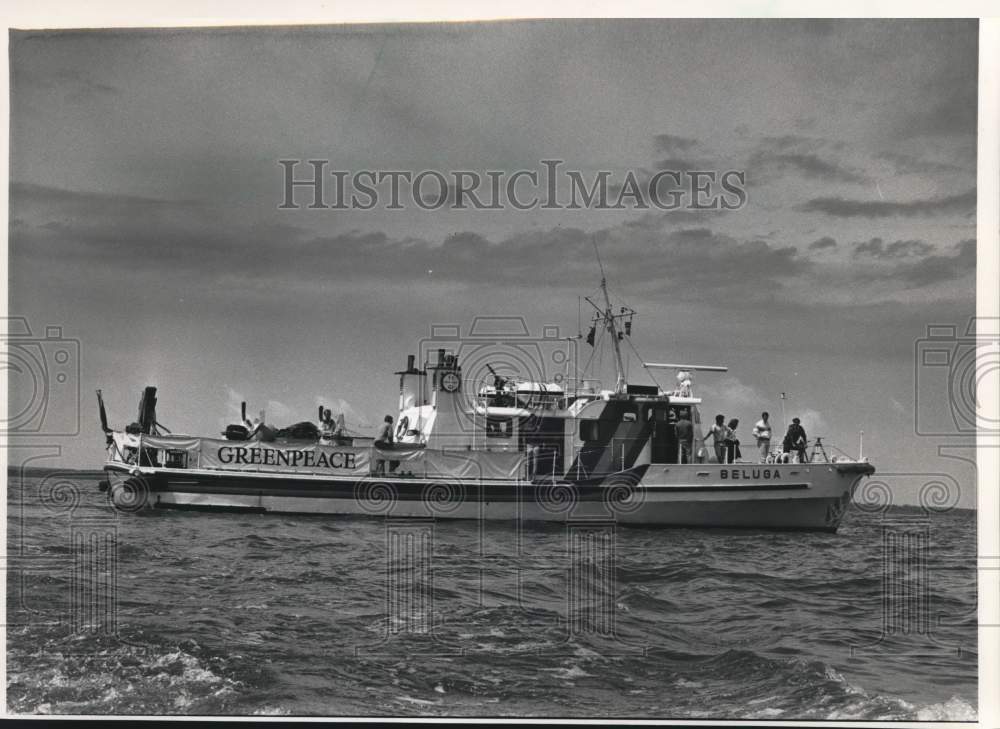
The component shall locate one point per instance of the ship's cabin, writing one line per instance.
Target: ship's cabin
(557, 429)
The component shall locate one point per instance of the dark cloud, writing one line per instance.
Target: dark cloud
(910, 264)
(953, 114)
(797, 154)
(959, 263)
(684, 164)
(943, 105)
(672, 144)
(195, 241)
(73, 83)
(908, 164)
(876, 248)
(798, 143)
(962, 203)
(821, 243)
(806, 164)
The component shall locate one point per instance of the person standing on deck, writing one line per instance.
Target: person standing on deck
(383, 442)
(326, 422)
(795, 440)
(685, 436)
(762, 432)
(718, 433)
(732, 443)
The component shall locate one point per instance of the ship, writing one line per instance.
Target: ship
(491, 442)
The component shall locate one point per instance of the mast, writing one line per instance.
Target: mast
(609, 318)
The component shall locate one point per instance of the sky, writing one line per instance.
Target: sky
(146, 188)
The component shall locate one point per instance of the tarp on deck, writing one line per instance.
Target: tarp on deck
(468, 465)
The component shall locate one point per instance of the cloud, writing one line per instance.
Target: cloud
(233, 408)
(672, 144)
(278, 413)
(909, 265)
(730, 392)
(679, 164)
(936, 269)
(962, 204)
(908, 164)
(186, 244)
(812, 421)
(806, 164)
(952, 114)
(72, 82)
(353, 418)
(821, 243)
(876, 248)
(196, 241)
(810, 157)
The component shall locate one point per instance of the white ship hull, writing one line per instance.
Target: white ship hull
(781, 496)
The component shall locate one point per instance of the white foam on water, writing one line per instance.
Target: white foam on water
(954, 709)
(568, 673)
(420, 702)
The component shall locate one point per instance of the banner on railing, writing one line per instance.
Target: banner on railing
(313, 458)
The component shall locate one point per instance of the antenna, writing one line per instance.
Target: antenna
(698, 368)
(784, 424)
(607, 317)
(593, 239)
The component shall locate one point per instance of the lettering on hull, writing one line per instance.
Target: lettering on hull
(242, 455)
(735, 474)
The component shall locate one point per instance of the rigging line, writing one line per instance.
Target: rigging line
(643, 362)
(593, 351)
(598, 351)
(371, 74)
(600, 357)
(593, 239)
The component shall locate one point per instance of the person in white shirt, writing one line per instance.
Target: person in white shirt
(762, 432)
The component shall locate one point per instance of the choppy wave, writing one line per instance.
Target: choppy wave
(265, 615)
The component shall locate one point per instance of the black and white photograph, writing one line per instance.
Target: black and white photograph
(520, 368)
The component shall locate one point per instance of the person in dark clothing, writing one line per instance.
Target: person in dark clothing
(384, 442)
(685, 435)
(795, 440)
(732, 443)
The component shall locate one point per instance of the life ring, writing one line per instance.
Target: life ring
(404, 423)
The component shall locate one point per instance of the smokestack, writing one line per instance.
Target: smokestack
(409, 363)
(440, 358)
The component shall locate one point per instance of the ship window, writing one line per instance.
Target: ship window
(590, 430)
(499, 427)
(176, 459)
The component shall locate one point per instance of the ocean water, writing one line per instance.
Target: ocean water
(201, 613)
